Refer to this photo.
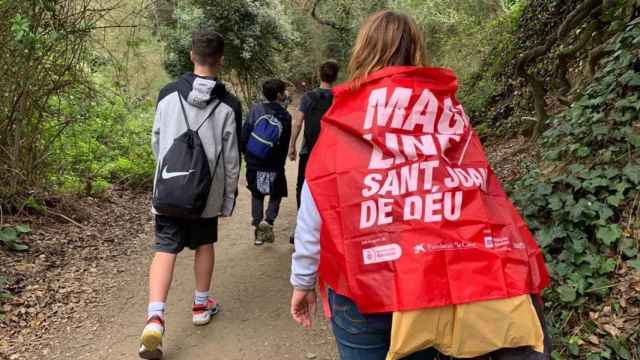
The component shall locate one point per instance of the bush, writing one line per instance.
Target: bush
(577, 202)
(496, 43)
(109, 143)
(46, 43)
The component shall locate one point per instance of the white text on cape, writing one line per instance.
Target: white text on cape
(414, 159)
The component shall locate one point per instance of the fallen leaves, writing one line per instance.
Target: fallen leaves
(68, 270)
(620, 315)
(511, 158)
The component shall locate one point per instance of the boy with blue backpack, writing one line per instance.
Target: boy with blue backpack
(265, 142)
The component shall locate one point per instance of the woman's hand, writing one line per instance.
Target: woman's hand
(303, 306)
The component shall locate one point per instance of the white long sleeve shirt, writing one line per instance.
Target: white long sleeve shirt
(305, 259)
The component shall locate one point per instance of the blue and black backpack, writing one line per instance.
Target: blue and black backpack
(265, 135)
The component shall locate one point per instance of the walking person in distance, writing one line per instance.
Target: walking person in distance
(265, 140)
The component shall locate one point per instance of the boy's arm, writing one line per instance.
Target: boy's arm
(231, 158)
(298, 121)
(237, 110)
(296, 126)
(155, 133)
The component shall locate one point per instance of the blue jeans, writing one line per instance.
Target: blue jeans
(363, 337)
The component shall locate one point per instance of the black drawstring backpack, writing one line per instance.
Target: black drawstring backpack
(184, 179)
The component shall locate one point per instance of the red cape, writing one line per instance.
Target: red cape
(412, 214)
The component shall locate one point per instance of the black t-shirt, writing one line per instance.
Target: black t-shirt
(314, 105)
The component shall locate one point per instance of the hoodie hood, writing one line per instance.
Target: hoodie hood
(200, 91)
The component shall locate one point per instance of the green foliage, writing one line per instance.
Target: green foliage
(10, 237)
(492, 48)
(45, 44)
(474, 38)
(109, 143)
(575, 203)
(461, 32)
(254, 31)
(72, 119)
(178, 39)
(314, 43)
(479, 87)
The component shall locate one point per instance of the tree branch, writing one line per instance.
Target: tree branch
(93, 28)
(595, 56)
(565, 53)
(573, 20)
(577, 16)
(325, 22)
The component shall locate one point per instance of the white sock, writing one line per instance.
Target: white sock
(156, 309)
(201, 297)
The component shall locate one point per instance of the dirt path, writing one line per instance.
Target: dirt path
(250, 282)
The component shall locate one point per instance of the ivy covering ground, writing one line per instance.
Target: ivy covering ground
(582, 204)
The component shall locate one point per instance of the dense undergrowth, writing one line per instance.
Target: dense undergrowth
(80, 85)
(494, 95)
(582, 202)
(582, 197)
(107, 146)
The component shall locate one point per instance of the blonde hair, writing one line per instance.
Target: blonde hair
(386, 38)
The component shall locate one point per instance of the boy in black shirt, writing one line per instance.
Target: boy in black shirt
(313, 106)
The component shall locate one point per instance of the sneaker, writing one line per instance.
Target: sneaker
(151, 339)
(259, 236)
(269, 235)
(202, 313)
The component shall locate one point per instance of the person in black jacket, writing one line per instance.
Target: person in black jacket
(266, 177)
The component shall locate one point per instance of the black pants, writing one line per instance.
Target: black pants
(257, 209)
(302, 168)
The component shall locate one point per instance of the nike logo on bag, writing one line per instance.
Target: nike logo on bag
(169, 175)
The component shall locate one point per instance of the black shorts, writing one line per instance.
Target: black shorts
(174, 234)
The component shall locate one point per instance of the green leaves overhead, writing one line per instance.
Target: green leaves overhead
(255, 31)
